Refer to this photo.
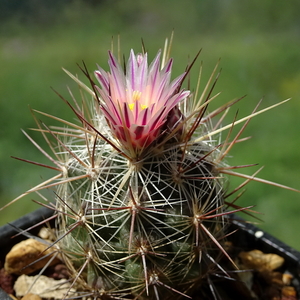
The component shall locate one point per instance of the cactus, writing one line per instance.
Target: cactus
(141, 198)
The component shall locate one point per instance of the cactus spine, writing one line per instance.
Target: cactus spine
(140, 192)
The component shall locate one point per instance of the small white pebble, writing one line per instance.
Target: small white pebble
(44, 233)
(259, 234)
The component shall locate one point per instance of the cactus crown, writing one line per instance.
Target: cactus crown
(141, 201)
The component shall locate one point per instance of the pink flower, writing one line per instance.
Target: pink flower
(136, 102)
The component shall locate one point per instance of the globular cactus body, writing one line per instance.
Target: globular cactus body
(137, 216)
(140, 199)
(141, 224)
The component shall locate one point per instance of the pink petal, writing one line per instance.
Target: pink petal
(127, 114)
(132, 70)
(143, 117)
(102, 77)
(138, 131)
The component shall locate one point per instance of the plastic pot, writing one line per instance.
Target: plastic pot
(247, 237)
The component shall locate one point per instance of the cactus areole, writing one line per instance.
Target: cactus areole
(141, 202)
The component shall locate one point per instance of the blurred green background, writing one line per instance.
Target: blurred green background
(258, 43)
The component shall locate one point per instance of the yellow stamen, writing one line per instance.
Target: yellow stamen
(136, 95)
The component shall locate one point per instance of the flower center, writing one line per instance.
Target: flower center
(136, 95)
